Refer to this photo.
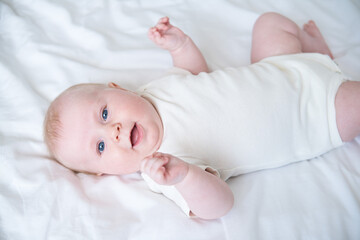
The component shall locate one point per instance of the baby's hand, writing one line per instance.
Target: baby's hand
(165, 169)
(167, 36)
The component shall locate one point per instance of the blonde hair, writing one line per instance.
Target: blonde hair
(52, 122)
(52, 127)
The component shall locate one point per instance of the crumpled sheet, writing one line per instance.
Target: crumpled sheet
(47, 46)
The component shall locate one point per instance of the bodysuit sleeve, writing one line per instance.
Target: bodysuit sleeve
(177, 71)
(172, 193)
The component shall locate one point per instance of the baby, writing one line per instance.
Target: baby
(291, 104)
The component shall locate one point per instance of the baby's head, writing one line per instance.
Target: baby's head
(100, 129)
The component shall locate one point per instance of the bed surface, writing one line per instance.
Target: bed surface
(47, 46)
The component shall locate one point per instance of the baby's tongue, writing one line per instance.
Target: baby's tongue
(134, 135)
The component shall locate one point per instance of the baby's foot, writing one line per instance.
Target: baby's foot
(313, 40)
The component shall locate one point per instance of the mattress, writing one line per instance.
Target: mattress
(47, 46)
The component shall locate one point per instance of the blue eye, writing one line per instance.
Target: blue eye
(104, 114)
(101, 147)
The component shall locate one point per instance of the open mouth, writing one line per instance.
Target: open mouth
(136, 135)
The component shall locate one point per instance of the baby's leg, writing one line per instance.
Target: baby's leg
(274, 35)
(347, 105)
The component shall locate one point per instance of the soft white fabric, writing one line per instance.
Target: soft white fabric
(240, 120)
(47, 46)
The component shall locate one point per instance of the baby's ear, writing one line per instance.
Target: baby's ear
(114, 85)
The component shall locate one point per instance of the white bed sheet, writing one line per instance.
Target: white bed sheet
(46, 46)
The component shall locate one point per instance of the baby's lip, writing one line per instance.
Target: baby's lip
(136, 134)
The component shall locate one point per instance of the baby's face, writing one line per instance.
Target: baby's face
(107, 130)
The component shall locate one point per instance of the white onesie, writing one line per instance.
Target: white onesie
(239, 120)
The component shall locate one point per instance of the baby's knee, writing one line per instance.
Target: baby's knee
(268, 18)
(271, 21)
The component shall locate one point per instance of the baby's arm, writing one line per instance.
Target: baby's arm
(183, 50)
(208, 196)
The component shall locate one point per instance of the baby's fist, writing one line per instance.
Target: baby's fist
(164, 169)
(167, 36)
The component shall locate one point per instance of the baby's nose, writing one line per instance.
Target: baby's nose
(116, 132)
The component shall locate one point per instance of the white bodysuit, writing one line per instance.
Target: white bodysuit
(239, 120)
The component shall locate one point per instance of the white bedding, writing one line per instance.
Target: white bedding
(46, 46)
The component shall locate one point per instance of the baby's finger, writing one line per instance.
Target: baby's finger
(162, 26)
(153, 32)
(159, 175)
(150, 164)
(159, 154)
(146, 164)
(163, 20)
(159, 163)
